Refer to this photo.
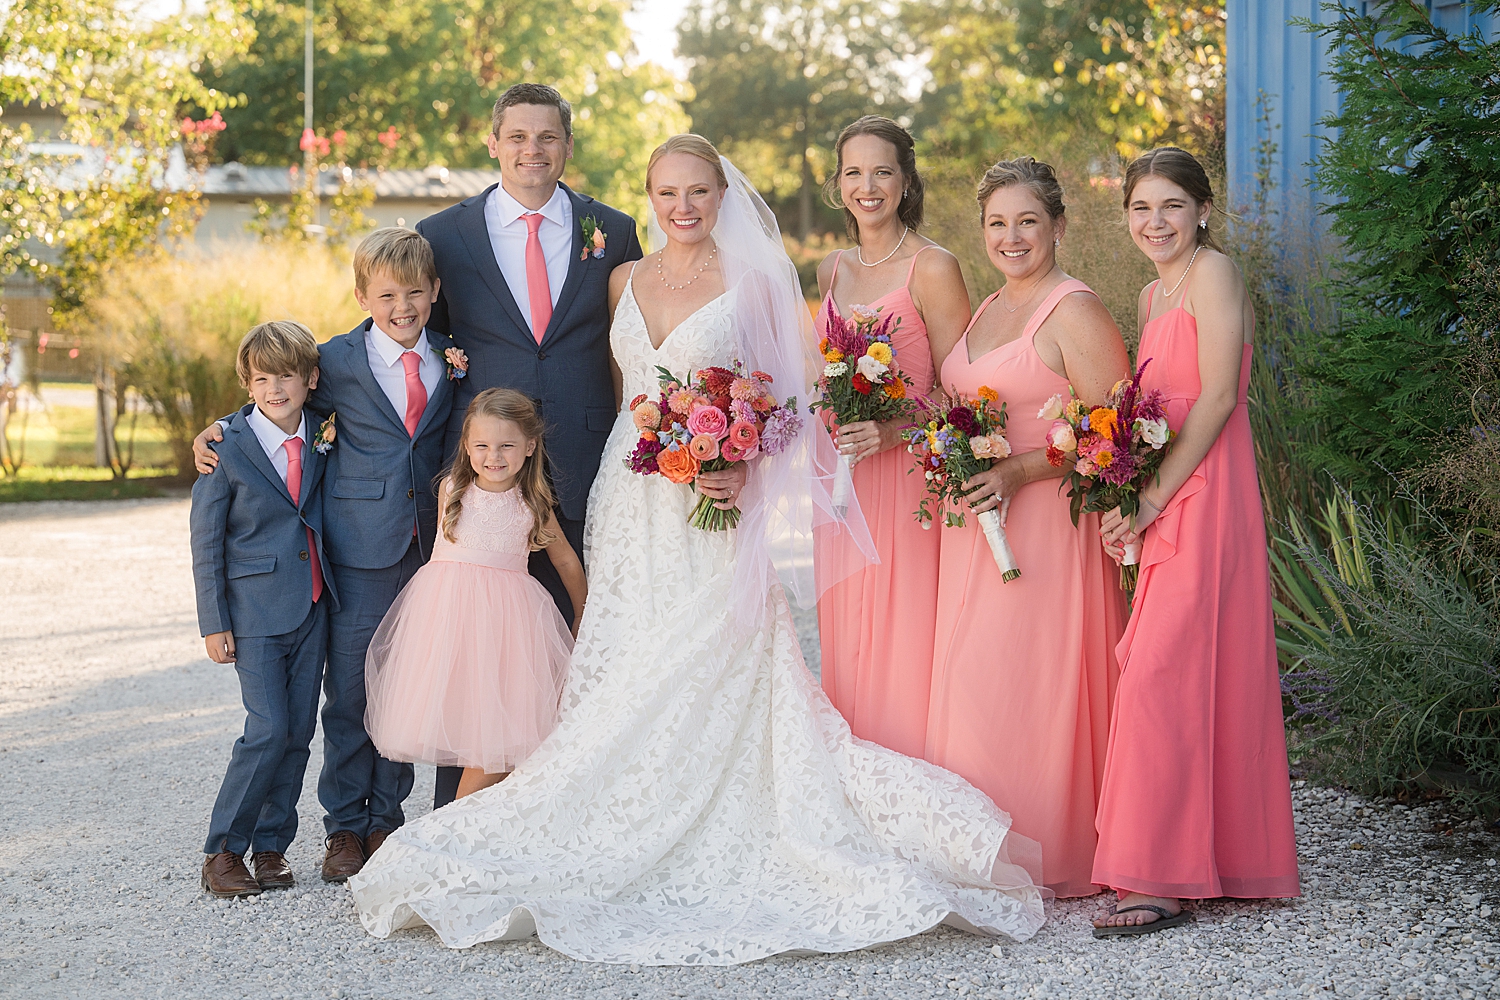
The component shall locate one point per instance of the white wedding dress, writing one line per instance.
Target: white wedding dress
(701, 802)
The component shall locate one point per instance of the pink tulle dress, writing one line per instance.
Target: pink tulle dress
(1024, 671)
(875, 625)
(467, 667)
(1197, 802)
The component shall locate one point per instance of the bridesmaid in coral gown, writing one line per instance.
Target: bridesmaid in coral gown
(1197, 801)
(876, 624)
(1023, 672)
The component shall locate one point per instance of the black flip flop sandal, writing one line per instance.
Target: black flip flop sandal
(1135, 930)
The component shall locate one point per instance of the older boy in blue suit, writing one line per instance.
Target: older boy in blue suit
(263, 601)
(390, 383)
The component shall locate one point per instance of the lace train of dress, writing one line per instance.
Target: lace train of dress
(701, 802)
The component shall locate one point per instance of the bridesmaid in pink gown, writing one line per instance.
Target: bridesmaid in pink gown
(1197, 801)
(876, 624)
(1023, 672)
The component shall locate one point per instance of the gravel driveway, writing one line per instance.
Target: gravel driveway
(114, 732)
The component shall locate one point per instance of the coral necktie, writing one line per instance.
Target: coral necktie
(537, 288)
(416, 392)
(293, 446)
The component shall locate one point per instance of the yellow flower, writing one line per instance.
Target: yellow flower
(1075, 410)
(833, 355)
(987, 394)
(1103, 420)
(880, 352)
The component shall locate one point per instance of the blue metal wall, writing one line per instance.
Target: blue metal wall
(1266, 55)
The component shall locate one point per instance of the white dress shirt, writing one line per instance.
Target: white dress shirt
(502, 217)
(273, 438)
(390, 374)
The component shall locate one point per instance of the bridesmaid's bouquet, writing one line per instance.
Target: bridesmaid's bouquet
(860, 382)
(719, 417)
(1120, 447)
(951, 449)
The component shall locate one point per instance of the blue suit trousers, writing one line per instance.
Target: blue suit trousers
(360, 790)
(257, 803)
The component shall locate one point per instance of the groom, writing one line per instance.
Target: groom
(527, 300)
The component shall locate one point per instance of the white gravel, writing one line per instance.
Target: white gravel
(114, 732)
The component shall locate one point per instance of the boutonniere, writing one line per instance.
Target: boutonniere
(323, 440)
(593, 239)
(457, 362)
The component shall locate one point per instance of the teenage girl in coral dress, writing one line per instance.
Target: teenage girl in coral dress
(1197, 801)
(1024, 671)
(876, 625)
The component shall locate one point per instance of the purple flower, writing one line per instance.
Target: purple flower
(643, 459)
(1150, 406)
(962, 419)
(741, 410)
(1121, 471)
(780, 430)
(845, 337)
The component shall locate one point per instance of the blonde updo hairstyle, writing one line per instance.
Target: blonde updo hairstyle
(1182, 168)
(693, 145)
(536, 491)
(1034, 174)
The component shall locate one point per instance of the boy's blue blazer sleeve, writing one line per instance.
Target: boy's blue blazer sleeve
(208, 521)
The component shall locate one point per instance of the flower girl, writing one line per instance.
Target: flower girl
(468, 665)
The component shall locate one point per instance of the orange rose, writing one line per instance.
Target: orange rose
(678, 465)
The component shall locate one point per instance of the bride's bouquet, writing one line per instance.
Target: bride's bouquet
(719, 417)
(860, 382)
(1120, 448)
(953, 448)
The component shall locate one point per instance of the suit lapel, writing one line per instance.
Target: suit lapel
(359, 365)
(476, 237)
(312, 471)
(249, 446)
(576, 267)
(439, 345)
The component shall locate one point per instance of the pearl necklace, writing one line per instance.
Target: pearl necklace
(696, 275)
(859, 252)
(1168, 295)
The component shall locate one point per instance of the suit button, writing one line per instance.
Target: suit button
(302, 555)
(410, 494)
(541, 355)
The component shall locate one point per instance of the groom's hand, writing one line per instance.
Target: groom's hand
(204, 459)
(725, 486)
(220, 647)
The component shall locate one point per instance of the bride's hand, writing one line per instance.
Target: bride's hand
(725, 486)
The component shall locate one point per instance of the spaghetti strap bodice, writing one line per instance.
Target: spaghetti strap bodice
(908, 330)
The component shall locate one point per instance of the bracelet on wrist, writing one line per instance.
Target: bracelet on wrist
(1147, 503)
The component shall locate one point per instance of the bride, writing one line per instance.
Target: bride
(701, 802)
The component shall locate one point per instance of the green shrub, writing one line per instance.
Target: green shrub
(1411, 186)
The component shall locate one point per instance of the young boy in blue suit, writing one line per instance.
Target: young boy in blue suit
(264, 593)
(388, 386)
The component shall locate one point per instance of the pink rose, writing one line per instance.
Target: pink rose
(980, 446)
(1061, 436)
(708, 420)
(704, 447)
(744, 434)
(732, 452)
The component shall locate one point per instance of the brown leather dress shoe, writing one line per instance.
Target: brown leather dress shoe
(345, 856)
(225, 876)
(271, 870)
(373, 842)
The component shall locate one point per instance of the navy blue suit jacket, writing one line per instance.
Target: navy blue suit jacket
(251, 565)
(380, 480)
(568, 373)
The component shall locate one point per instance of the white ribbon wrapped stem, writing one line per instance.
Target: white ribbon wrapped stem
(991, 522)
(1132, 553)
(843, 484)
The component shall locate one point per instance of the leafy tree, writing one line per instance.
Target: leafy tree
(1413, 190)
(1135, 72)
(427, 73)
(788, 75)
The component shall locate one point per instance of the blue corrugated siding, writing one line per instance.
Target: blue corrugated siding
(1268, 55)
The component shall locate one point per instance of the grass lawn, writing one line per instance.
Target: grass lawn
(84, 482)
(59, 431)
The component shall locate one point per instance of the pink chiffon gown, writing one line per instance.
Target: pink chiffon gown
(1024, 672)
(467, 667)
(876, 625)
(1197, 801)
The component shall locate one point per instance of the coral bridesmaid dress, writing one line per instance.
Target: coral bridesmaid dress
(1197, 801)
(876, 624)
(1024, 672)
